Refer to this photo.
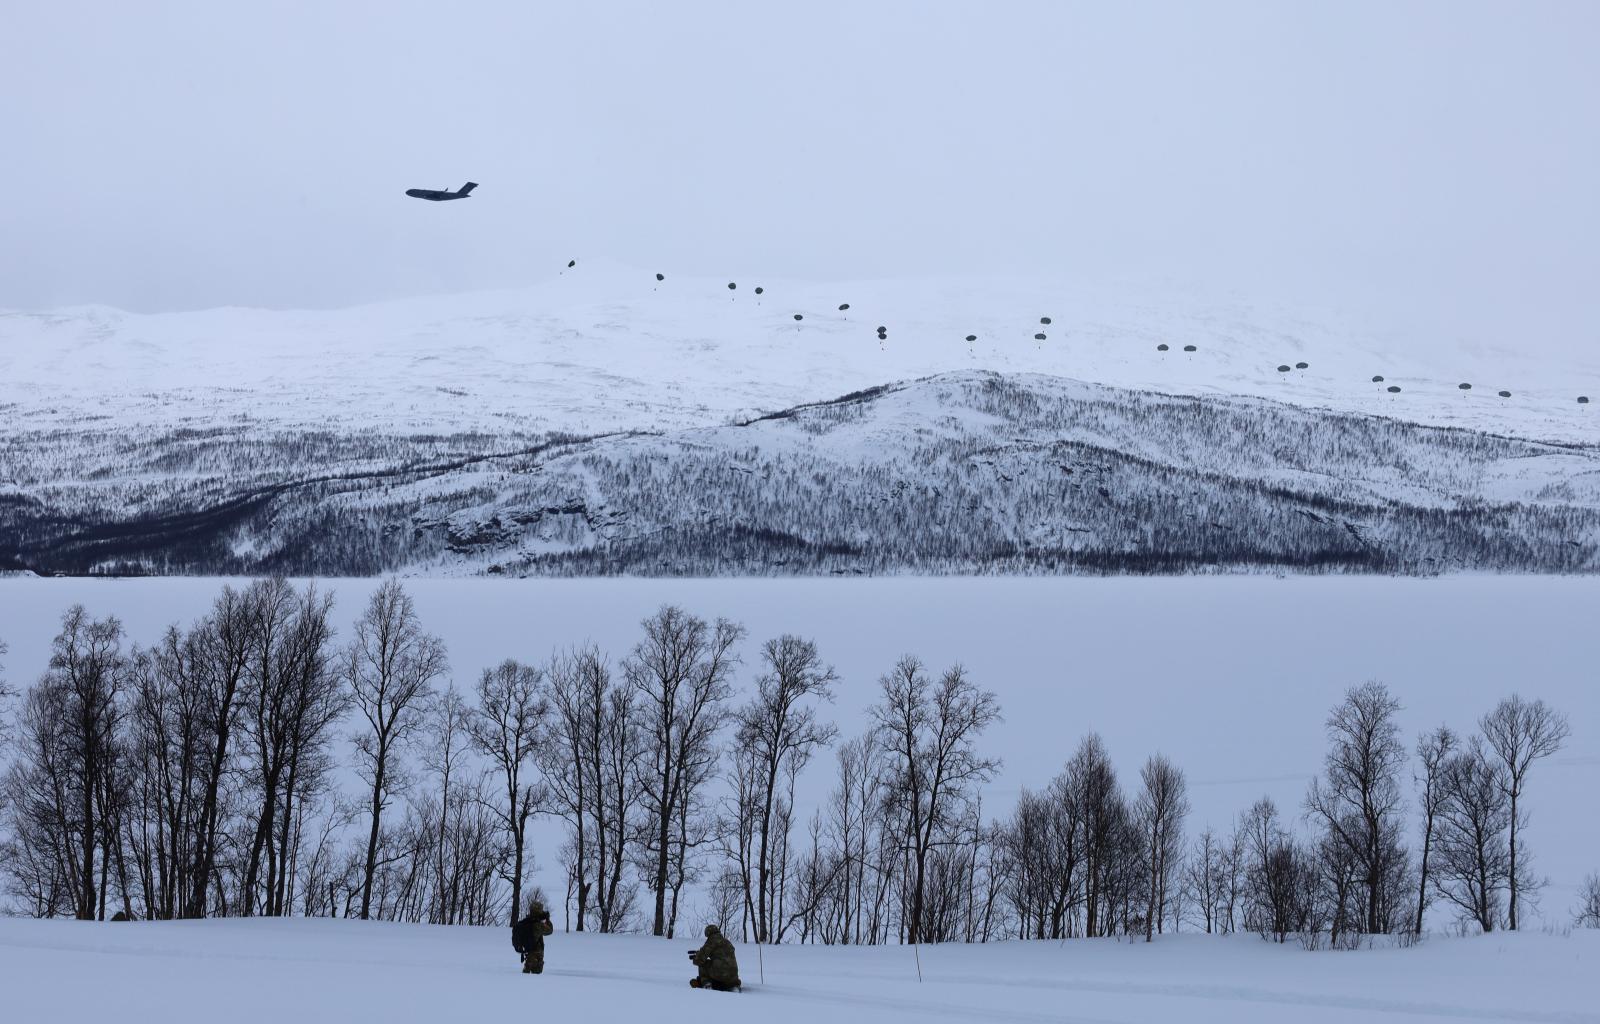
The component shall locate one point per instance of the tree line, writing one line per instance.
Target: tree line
(210, 774)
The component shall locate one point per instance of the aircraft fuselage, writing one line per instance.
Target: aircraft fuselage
(439, 195)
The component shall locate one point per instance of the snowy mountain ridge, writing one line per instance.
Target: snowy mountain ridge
(604, 348)
(607, 421)
(968, 472)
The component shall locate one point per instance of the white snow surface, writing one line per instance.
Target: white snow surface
(271, 971)
(603, 347)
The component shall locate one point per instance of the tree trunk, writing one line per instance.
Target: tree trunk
(372, 836)
(663, 830)
(1422, 883)
(86, 894)
(1511, 917)
(205, 855)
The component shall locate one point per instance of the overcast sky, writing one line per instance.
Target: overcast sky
(1437, 160)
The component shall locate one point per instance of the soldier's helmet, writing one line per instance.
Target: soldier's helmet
(535, 908)
(711, 930)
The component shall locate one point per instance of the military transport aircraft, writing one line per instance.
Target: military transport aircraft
(440, 195)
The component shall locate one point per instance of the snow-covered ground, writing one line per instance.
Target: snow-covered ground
(271, 971)
(603, 347)
(1231, 678)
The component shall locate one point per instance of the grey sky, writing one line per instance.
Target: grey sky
(1435, 161)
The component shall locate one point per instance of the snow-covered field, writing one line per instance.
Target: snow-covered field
(270, 971)
(1229, 677)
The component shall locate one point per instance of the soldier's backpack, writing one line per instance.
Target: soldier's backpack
(522, 935)
(527, 932)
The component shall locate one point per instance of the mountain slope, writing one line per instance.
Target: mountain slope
(605, 348)
(607, 421)
(965, 472)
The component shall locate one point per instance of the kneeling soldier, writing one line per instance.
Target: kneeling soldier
(719, 967)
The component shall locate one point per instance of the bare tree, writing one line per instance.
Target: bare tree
(1204, 877)
(87, 673)
(737, 828)
(1279, 878)
(1161, 810)
(619, 757)
(449, 728)
(391, 664)
(292, 696)
(573, 761)
(1358, 800)
(929, 735)
(591, 765)
(73, 724)
(6, 696)
(219, 650)
(780, 731)
(1587, 914)
(1029, 865)
(508, 729)
(1521, 732)
(680, 671)
(1433, 750)
(1102, 813)
(315, 700)
(853, 824)
(1472, 824)
(43, 869)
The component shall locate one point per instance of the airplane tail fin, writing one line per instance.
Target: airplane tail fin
(468, 187)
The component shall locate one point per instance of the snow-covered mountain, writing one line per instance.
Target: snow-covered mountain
(608, 421)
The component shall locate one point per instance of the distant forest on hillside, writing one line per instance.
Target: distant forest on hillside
(973, 473)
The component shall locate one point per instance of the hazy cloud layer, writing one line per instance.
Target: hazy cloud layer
(1432, 162)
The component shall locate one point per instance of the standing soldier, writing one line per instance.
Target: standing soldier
(719, 967)
(527, 937)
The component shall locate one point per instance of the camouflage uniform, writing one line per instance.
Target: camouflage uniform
(719, 967)
(527, 938)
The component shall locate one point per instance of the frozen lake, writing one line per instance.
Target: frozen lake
(1230, 677)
